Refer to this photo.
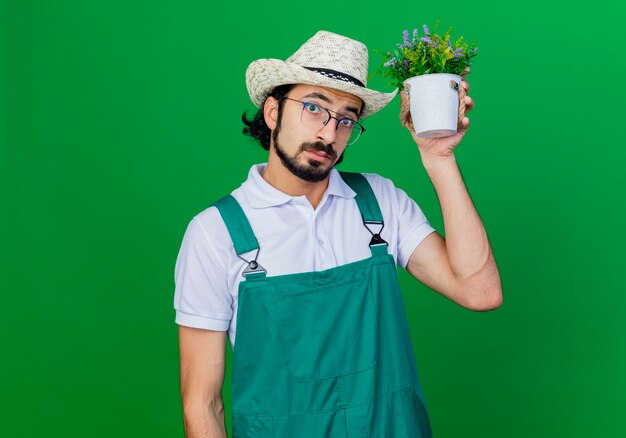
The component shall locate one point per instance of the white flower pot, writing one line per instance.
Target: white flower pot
(434, 103)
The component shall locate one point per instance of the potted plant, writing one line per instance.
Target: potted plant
(429, 67)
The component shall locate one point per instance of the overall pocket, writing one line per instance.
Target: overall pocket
(328, 331)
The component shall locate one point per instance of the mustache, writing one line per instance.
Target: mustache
(319, 146)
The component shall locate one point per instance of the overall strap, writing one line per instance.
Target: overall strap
(368, 205)
(240, 231)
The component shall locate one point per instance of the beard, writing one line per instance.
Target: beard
(312, 170)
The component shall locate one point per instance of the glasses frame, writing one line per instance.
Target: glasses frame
(330, 116)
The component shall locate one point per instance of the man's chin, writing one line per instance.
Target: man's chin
(317, 164)
(312, 170)
(305, 166)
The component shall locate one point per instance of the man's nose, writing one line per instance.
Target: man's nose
(328, 132)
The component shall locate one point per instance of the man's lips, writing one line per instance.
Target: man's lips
(318, 155)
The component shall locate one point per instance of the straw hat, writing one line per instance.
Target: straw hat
(327, 60)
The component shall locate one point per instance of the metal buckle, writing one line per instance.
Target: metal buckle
(376, 239)
(253, 266)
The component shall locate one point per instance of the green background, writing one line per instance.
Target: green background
(120, 120)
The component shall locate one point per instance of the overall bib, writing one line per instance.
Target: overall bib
(324, 354)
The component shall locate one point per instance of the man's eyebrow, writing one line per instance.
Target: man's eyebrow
(319, 96)
(326, 99)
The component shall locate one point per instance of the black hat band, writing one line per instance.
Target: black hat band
(336, 75)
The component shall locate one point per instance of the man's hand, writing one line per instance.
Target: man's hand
(434, 148)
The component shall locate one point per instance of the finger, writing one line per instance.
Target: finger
(466, 86)
(469, 104)
(463, 126)
(465, 72)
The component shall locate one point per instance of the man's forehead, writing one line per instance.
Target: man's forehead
(334, 96)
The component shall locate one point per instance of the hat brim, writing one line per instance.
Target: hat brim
(263, 75)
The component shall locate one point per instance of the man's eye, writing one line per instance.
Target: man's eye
(346, 123)
(312, 108)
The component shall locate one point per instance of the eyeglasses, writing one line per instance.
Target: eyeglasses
(315, 117)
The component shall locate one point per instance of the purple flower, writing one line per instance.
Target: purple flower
(406, 64)
(390, 63)
(426, 39)
(426, 31)
(458, 52)
(414, 34)
(405, 39)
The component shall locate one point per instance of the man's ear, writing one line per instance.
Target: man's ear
(270, 112)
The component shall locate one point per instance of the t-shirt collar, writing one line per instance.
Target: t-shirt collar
(262, 194)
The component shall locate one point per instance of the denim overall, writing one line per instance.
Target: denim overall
(327, 353)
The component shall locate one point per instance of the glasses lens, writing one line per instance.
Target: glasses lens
(314, 117)
(355, 133)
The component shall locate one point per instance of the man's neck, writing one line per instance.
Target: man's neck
(282, 179)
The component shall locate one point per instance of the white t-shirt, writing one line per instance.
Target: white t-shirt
(292, 237)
